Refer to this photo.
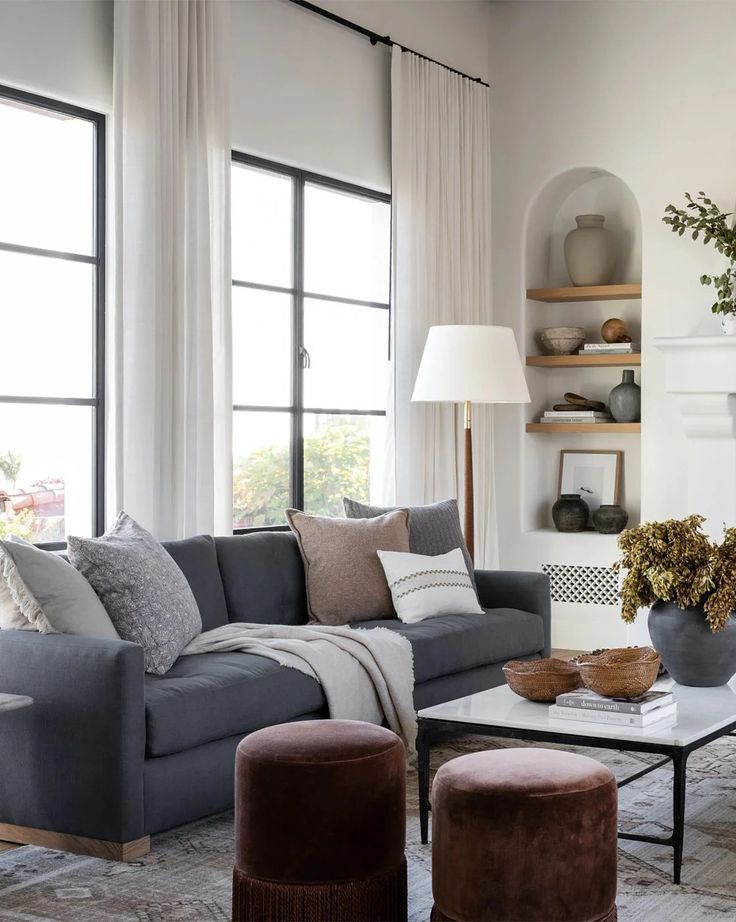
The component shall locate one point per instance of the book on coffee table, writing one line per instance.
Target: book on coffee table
(668, 712)
(588, 700)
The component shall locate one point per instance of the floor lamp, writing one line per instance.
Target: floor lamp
(470, 364)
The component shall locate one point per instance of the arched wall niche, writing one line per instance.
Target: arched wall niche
(582, 190)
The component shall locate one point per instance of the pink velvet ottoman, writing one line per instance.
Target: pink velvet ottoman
(524, 835)
(320, 824)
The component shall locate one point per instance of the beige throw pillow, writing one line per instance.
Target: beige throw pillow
(345, 579)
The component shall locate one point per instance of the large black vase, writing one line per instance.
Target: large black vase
(570, 513)
(692, 654)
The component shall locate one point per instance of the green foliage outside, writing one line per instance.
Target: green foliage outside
(23, 524)
(705, 217)
(10, 467)
(336, 464)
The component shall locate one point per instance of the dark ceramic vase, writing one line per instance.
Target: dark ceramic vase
(610, 520)
(692, 654)
(570, 513)
(624, 401)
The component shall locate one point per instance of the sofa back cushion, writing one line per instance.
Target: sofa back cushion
(263, 576)
(197, 559)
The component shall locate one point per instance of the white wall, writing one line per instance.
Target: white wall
(454, 32)
(311, 93)
(644, 90)
(59, 48)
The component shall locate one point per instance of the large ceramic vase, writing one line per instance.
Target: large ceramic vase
(590, 251)
(624, 401)
(692, 654)
(570, 513)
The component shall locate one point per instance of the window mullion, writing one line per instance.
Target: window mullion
(297, 421)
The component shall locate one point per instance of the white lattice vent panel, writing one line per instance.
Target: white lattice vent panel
(582, 585)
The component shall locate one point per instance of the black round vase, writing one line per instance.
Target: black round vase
(610, 520)
(570, 513)
(692, 654)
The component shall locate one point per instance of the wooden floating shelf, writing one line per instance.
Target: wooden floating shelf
(621, 428)
(582, 361)
(585, 293)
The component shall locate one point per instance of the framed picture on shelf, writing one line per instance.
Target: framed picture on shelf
(593, 475)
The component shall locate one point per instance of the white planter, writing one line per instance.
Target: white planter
(728, 324)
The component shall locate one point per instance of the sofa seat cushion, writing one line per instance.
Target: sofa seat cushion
(210, 696)
(452, 643)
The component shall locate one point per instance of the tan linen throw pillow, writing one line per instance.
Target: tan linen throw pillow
(345, 579)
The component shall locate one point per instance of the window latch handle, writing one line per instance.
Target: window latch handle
(305, 359)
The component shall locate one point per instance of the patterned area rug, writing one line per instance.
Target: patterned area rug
(186, 878)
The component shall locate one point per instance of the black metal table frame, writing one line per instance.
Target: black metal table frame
(432, 730)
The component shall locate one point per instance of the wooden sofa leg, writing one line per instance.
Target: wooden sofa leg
(80, 845)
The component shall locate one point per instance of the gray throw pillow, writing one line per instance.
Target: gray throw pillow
(145, 593)
(40, 591)
(433, 529)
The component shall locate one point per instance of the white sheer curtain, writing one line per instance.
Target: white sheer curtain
(171, 403)
(441, 203)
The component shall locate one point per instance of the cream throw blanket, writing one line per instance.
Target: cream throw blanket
(366, 674)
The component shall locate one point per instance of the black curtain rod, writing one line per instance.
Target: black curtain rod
(376, 39)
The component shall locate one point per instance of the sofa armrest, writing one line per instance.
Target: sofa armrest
(73, 762)
(517, 589)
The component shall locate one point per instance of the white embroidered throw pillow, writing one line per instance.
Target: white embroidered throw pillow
(424, 587)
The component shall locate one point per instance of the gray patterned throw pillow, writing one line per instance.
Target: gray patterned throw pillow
(143, 590)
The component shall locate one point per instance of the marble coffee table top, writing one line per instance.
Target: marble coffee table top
(14, 702)
(700, 713)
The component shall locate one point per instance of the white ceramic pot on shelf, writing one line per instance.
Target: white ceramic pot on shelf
(590, 251)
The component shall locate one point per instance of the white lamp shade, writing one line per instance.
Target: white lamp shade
(471, 362)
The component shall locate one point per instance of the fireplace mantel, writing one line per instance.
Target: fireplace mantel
(699, 364)
(701, 372)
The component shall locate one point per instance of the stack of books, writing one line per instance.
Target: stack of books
(609, 349)
(655, 709)
(575, 416)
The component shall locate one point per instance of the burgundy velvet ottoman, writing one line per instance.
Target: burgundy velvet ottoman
(524, 835)
(320, 824)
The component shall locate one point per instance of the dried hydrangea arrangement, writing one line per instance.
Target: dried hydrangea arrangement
(674, 561)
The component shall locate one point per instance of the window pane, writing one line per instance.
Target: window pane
(348, 356)
(261, 348)
(261, 226)
(48, 326)
(46, 471)
(347, 245)
(46, 179)
(261, 468)
(343, 456)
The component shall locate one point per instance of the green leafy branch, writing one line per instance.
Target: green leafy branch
(701, 217)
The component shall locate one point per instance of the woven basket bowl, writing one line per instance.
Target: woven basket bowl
(542, 679)
(621, 673)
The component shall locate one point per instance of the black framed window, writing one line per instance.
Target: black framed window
(311, 311)
(52, 286)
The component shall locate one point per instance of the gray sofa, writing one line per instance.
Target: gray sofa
(111, 755)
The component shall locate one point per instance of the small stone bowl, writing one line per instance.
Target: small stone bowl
(562, 340)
